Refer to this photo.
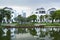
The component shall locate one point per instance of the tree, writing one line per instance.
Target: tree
(5, 13)
(41, 18)
(53, 16)
(20, 19)
(33, 17)
(57, 15)
(28, 19)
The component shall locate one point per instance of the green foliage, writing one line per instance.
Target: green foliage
(46, 16)
(32, 31)
(20, 19)
(57, 12)
(55, 15)
(41, 18)
(55, 34)
(5, 13)
(33, 17)
(22, 30)
(8, 34)
(41, 33)
(1, 34)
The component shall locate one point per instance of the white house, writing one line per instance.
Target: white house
(39, 12)
(13, 15)
(51, 10)
(42, 11)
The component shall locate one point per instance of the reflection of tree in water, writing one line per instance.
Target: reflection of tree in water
(7, 37)
(32, 31)
(8, 34)
(42, 33)
(55, 34)
(22, 30)
(1, 34)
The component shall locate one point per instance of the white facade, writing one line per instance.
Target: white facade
(39, 12)
(51, 10)
(13, 15)
(42, 11)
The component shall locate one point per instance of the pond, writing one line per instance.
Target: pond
(32, 33)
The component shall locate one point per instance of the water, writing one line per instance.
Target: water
(34, 33)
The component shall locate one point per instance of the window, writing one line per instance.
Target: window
(36, 12)
(41, 11)
(11, 15)
(51, 12)
(38, 19)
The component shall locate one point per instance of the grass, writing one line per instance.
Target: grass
(52, 24)
(32, 24)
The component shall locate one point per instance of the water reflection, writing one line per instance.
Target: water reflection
(30, 34)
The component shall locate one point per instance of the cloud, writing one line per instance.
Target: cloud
(30, 3)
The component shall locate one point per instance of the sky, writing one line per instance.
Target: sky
(30, 5)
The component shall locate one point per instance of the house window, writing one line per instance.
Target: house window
(36, 12)
(38, 19)
(51, 12)
(11, 15)
(41, 12)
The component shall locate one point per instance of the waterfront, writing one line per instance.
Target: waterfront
(35, 33)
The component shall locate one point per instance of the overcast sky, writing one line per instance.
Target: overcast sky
(31, 4)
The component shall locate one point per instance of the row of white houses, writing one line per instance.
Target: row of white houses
(38, 12)
(14, 14)
(41, 11)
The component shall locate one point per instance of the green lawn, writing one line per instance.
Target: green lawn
(32, 24)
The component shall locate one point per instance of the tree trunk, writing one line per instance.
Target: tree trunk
(52, 20)
(33, 20)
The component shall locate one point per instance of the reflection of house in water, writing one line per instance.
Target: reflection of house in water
(29, 36)
(12, 32)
